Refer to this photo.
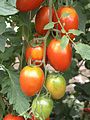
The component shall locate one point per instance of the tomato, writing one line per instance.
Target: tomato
(8, 117)
(56, 85)
(42, 106)
(35, 53)
(27, 5)
(42, 18)
(31, 80)
(12, 117)
(59, 58)
(69, 22)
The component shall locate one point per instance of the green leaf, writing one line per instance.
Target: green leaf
(65, 14)
(12, 2)
(7, 8)
(72, 71)
(83, 50)
(2, 43)
(2, 25)
(2, 107)
(14, 94)
(64, 41)
(82, 16)
(49, 26)
(75, 32)
(84, 89)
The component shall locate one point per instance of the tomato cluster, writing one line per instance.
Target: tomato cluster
(32, 76)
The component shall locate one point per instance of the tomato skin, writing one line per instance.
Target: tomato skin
(59, 58)
(70, 22)
(27, 5)
(42, 18)
(56, 85)
(8, 117)
(42, 106)
(35, 53)
(12, 117)
(31, 80)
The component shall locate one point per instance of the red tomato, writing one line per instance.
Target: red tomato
(59, 58)
(35, 53)
(69, 22)
(27, 5)
(12, 117)
(42, 18)
(8, 117)
(31, 80)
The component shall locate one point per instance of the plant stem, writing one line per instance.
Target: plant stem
(66, 33)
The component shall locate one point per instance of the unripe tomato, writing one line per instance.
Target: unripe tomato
(31, 80)
(42, 106)
(59, 58)
(27, 5)
(42, 18)
(35, 53)
(12, 117)
(69, 22)
(56, 85)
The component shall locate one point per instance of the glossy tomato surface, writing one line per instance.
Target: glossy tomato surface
(31, 80)
(71, 21)
(56, 85)
(42, 18)
(12, 117)
(34, 53)
(27, 5)
(42, 106)
(59, 58)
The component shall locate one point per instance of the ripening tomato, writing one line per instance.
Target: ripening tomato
(42, 18)
(59, 58)
(31, 80)
(70, 21)
(42, 106)
(56, 85)
(12, 117)
(27, 5)
(35, 53)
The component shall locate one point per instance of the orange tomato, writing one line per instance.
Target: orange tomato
(31, 80)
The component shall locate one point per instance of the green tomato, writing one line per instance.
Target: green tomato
(42, 107)
(56, 85)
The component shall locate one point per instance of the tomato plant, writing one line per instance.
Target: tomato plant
(56, 85)
(42, 107)
(31, 80)
(61, 89)
(69, 21)
(27, 5)
(59, 58)
(42, 18)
